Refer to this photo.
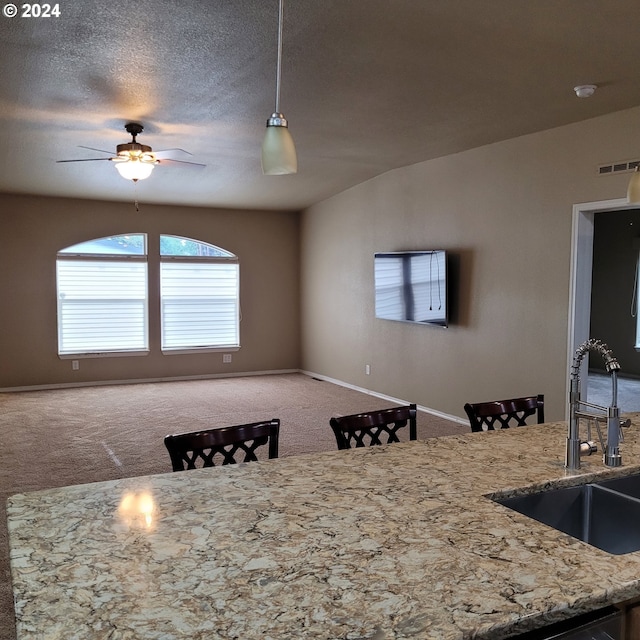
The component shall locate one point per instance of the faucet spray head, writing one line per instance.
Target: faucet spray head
(610, 362)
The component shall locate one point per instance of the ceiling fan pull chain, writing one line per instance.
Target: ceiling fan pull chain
(135, 196)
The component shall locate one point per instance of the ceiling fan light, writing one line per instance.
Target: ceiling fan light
(278, 150)
(132, 149)
(633, 190)
(134, 169)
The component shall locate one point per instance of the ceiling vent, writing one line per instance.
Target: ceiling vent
(618, 167)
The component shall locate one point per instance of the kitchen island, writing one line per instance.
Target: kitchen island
(399, 541)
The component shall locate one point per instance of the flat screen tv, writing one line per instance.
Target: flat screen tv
(411, 286)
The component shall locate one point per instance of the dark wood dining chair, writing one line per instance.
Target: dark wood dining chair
(366, 429)
(212, 447)
(502, 414)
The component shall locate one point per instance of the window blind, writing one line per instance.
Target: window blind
(199, 304)
(102, 306)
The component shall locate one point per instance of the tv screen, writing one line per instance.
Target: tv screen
(411, 286)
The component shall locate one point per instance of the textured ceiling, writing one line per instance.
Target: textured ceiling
(367, 86)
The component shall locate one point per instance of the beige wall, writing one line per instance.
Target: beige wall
(33, 229)
(504, 212)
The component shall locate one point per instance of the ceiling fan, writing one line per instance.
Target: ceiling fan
(135, 161)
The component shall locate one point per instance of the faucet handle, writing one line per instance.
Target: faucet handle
(588, 447)
(624, 424)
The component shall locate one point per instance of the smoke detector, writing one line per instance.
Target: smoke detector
(585, 90)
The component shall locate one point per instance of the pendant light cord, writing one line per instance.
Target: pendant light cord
(279, 64)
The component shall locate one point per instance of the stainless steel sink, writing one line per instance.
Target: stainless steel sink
(629, 485)
(604, 514)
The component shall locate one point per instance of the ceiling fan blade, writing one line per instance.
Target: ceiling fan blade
(81, 146)
(84, 160)
(171, 161)
(162, 154)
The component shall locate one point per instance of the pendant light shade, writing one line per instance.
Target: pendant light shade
(278, 150)
(633, 190)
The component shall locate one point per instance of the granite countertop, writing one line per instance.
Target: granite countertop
(387, 542)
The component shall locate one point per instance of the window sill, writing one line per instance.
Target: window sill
(102, 354)
(191, 350)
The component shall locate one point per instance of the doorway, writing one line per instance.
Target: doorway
(580, 290)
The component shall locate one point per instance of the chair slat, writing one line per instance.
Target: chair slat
(226, 444)
(374, 427)
(503, 414)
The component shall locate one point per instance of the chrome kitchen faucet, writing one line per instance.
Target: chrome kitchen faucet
(595, 413)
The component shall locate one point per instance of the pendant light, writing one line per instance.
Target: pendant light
(278, 151)
(633, 190)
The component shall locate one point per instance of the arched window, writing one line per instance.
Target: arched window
(103, 296)
(199, 301)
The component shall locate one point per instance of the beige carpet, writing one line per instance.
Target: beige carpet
(72, 436)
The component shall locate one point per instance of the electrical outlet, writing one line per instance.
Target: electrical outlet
(75, 365)
(367, 369)
(226, 358)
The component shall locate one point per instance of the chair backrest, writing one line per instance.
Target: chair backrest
(220, 446)
(366, 429)
(502, 414)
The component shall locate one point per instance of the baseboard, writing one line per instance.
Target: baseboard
(433, 412)
(102, 383)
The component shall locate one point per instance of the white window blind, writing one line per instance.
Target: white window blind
(102, 306)
(199, 304)
(103, 301)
